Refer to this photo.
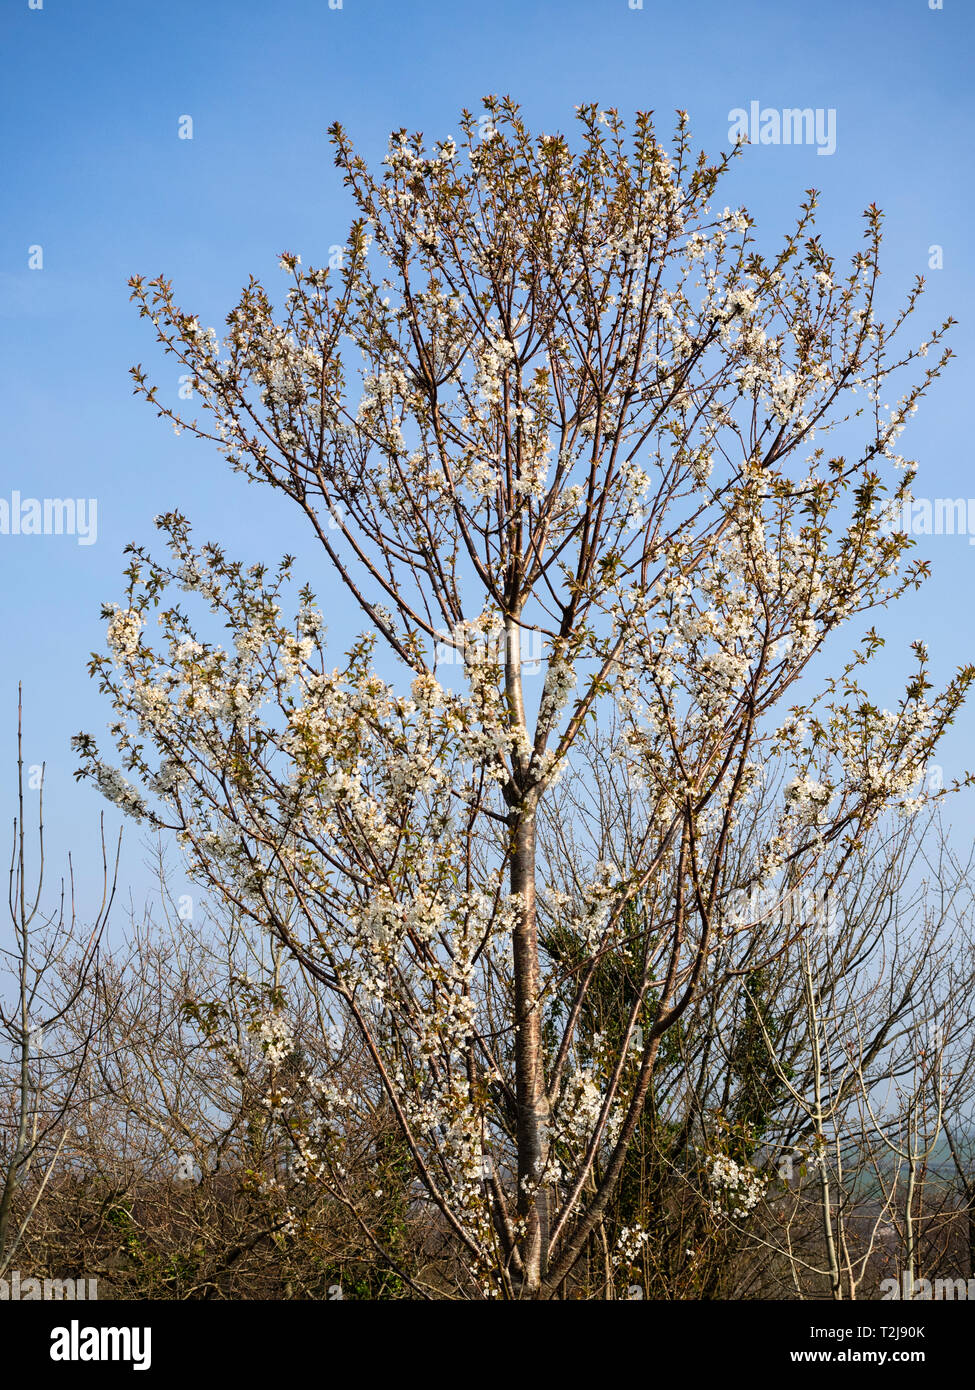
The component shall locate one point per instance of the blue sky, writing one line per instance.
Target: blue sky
(96, 175)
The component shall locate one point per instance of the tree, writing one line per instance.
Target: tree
(587, 419)
(48, 972)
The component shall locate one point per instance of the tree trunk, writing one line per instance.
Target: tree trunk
(529, 1060)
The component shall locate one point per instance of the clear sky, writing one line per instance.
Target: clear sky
(96, 176)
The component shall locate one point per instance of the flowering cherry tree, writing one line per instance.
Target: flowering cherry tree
(553, 399)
